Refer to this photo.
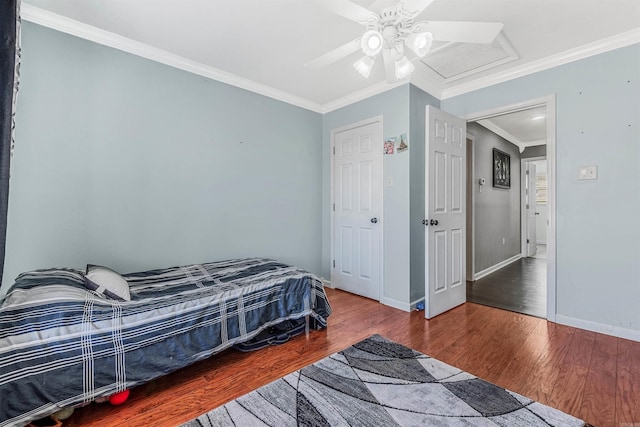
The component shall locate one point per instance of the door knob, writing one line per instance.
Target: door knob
(434, 222)
(374, 220)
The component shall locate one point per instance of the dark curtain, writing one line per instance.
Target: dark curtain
(9, 64)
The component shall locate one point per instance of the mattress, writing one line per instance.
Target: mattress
(64, 345)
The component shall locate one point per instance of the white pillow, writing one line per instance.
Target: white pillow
(106, 282)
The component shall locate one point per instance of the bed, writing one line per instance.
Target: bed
(63, 344)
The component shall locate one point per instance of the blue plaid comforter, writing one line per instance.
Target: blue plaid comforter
(63, 345)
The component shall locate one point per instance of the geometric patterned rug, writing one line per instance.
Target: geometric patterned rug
(377, 382)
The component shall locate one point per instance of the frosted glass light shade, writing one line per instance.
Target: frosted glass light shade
(364, 66)
(404, 68)
(420, 43)
(371, 43)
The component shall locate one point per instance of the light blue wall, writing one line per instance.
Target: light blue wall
(598, 231)
(393, 105)
(132, 164)
(129, 163)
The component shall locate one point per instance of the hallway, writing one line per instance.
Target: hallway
(520, 287)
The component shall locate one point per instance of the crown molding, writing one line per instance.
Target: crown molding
(421, 80)
(534, 143)
(70, 26)
(75, 28)
(360, 95)
(424, 78)
(491, 126)
(601, 46)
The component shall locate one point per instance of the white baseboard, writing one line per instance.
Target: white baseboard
(400, 305)
(327, 283)
(616, 331)
(479, 275)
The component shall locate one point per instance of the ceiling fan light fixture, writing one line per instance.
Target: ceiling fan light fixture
(371, 42)
(364, 66)
(404, 68)
(420, 43)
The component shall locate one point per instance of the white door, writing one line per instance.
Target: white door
(531, 209)
(358, 210)
(445, 212)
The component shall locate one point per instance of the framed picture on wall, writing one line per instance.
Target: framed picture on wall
(501, 169)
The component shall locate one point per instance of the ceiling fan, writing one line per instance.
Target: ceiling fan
(392, 29)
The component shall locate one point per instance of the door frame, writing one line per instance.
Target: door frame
(470, 142)
(549, 102)
(380, 228)
(523, 201)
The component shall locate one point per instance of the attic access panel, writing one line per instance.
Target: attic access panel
(454, 61)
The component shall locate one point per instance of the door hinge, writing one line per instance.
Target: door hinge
(334, 149)
(527, 206)
(334, 207)
(334, 263)
(527, 240)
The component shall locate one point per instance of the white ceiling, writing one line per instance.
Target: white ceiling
(524, 128)
(262, 45)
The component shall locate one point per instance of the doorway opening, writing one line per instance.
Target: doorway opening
(533, 208)
(511, 226)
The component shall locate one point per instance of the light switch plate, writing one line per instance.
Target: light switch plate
(587, 172)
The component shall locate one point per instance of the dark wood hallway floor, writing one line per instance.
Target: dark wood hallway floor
(521, 287)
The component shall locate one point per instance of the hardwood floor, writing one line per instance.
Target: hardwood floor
(520, 286)
(591, 376)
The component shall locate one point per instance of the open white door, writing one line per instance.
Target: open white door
(445, 238)
(357, 208)
(531, 209)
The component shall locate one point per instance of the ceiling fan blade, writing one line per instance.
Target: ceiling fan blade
(349, 10)
(378, 5)
(416, 7)
(464, 32)
(335, 54)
